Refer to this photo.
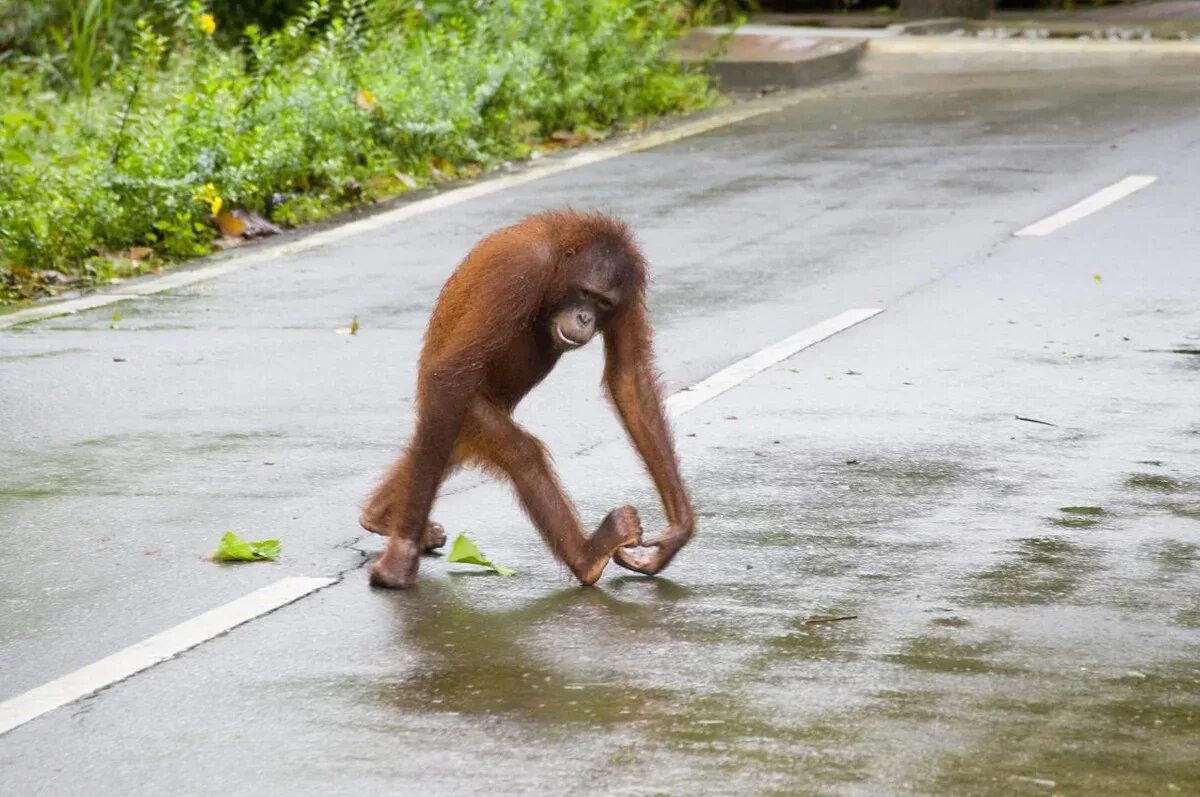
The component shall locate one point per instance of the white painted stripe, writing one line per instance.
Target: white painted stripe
(1085, 207)
(159, 648)
(534, 171)
(691, 397)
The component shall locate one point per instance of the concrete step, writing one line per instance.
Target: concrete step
(755, 58)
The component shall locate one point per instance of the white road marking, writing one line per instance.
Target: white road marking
(159, 648)
(1085, 207)
(691, 397)
(534, 171)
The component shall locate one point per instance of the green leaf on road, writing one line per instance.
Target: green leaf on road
(233, 548)
(466, 552)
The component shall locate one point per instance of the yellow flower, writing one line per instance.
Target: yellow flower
(209, 195)
(208, 24)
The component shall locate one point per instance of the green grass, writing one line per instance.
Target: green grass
(351, 102)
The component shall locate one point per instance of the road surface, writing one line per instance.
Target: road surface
(1001, 644)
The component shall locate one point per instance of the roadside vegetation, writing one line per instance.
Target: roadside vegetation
(133, 134)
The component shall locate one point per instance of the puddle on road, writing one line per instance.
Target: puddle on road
(487, 663)
(658, 686)
(807, 643)
(1037, 570)
(941, 654)
(1078, 517)
(1085, 735)
(645, 681)
(1159, 483)
(840, 498)
(1176, 557)
(1176, 496)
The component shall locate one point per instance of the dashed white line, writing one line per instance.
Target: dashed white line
(30, 705)
(692, 397)
(1085, 207)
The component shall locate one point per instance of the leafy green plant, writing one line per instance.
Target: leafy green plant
(90, 29)
(349, 101)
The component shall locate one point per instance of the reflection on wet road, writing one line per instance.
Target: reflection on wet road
(1026, 595)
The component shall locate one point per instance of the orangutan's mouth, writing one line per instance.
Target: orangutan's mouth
(570, 344)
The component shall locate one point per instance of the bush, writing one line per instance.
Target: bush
(350, 101)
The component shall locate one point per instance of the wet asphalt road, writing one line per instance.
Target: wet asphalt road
(1001, 646)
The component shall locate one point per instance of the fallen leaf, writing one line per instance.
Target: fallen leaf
(566, 137)
(1096, 278)
(233, 548)
(240, 223)
(115, 320)
(229, 224)
(139, 253)
(466, 552)
(350, 330)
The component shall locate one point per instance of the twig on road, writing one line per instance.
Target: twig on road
(820, 620)
(1034, 420)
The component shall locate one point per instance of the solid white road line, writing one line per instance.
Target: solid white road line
(1097, 201)
(534, 171)
(691, 397)
(159, 648)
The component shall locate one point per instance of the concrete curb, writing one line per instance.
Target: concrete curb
(831, 59)
(760, 56)
(931, 27)
(755, 60)
(960, 45)
(1056, 24)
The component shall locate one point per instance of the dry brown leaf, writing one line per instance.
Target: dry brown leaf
(229, 224)
(139, 253)
(566, 137)
(244, 224)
